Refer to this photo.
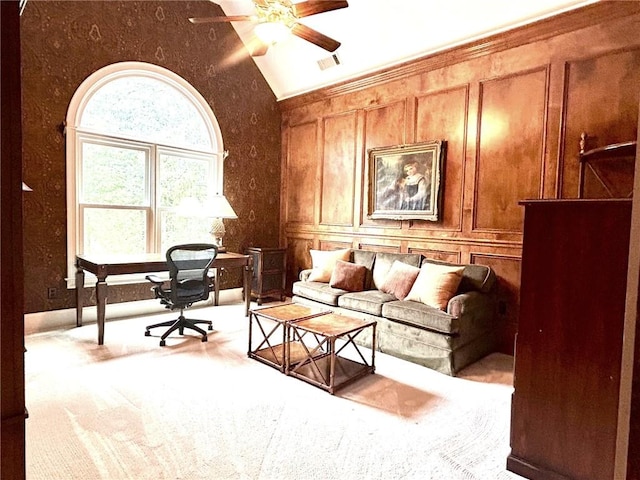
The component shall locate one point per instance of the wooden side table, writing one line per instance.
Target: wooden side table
(331, 357)
(269, 331)
(269, 273)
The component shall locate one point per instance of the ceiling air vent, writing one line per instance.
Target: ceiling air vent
(329, 62)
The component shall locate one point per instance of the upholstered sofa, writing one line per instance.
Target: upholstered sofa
(463, 330)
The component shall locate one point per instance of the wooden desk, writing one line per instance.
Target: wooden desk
(103, 266)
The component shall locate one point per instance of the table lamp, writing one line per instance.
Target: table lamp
(219, 208)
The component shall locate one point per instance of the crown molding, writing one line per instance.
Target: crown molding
(566, 22)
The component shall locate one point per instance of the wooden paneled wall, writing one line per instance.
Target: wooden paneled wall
(511, 108)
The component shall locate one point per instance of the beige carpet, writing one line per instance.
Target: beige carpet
(191, 410)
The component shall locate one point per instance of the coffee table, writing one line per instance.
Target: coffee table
(331, 357)
(272, 334)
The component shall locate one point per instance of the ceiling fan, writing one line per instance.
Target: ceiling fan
(278, 18)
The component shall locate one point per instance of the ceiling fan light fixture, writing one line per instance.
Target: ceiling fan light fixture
(278, 19)
(272, 32)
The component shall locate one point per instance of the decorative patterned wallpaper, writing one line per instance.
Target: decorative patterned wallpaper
(63, 42)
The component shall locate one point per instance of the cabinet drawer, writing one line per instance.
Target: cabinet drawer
(272, 281)
(273, 261)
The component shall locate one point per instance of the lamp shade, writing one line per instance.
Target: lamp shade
(218, 207)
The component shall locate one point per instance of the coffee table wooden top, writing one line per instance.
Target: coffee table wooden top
(288, 312)
(332, 324)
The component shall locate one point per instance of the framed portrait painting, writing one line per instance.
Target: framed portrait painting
(404, 181)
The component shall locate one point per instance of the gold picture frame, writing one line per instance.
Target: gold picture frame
(405, 181)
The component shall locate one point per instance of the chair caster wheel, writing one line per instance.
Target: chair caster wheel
(204, 339)
(210, 328)
(147, 333)
(162, 343)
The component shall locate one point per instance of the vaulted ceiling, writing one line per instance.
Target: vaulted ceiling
(380, 33)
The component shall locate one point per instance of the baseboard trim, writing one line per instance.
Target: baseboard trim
(63, 319)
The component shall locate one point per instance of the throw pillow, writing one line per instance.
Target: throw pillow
(324, 261)
(348, 276)
(435, 285)
(400, 279)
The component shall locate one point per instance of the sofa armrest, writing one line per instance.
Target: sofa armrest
(304, 275)
(473, 304)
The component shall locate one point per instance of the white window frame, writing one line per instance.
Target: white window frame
(75, 134)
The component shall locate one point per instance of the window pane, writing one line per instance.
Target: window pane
(177, 229)
(147, 109)
(114, 231)
(113, 175)
(182, 177)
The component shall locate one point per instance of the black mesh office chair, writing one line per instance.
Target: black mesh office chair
(189, 283)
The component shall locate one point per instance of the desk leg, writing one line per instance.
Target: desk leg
(101, 299)
(79, 295)
(248, 272)
(216, 287)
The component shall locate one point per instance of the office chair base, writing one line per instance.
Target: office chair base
(180, 324)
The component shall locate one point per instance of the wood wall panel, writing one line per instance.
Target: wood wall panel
(338, 170)
(301, 178)
(507, 269)
(511, 147)
(442, 116)
(298, 257)
(334, 245)
(506, 108)
(438, 254)
(374, 247)
(602, 96)
(384, 126)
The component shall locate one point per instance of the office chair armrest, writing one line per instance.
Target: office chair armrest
(155, 279)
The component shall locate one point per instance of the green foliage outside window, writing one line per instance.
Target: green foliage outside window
(145, 148)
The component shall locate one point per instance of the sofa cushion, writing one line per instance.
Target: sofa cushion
(436, 284)
(318, 291)
(324, 261)
(479, 278)
(400, 279)
(366, 258)
(420, 315)
(348, 276)
(383, 263)
(369, 302)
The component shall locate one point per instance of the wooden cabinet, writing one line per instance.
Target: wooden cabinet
(269, 273)
(569, 342)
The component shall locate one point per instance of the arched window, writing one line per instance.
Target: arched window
(143, 147)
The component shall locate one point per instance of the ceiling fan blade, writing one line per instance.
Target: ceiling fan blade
(315, 37)
(311, 7)
(233, 18)
(261, 3)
